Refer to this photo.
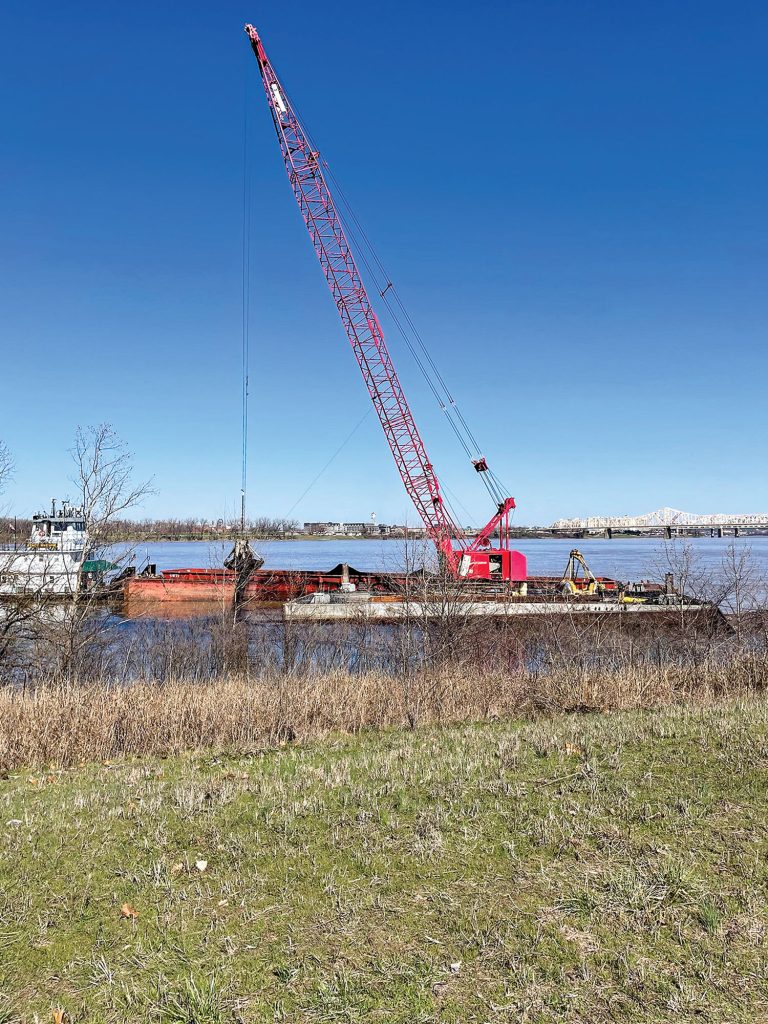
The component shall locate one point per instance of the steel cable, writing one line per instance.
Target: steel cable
(355, 230)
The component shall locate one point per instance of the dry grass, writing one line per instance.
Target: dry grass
(65, 725)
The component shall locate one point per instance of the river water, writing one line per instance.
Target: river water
(624, 559)
(186, 642)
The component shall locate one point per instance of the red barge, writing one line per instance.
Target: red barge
(262, 586)
(185, 591)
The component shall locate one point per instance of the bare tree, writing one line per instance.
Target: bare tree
(104, 470)
(692, 580)
(14, 616)
(742, 586)
(79, 635)
(6, 465)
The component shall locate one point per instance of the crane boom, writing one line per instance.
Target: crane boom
(366, 337)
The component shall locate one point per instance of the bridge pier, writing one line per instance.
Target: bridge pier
(720, 532)
(735, 531)
(668, 532)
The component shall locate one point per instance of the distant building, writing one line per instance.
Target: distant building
(367, 529)
(321, 529)
(340, 529)
(354, 529)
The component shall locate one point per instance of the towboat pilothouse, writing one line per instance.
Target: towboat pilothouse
(51, 562)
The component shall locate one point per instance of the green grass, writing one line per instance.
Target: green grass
(581, 869)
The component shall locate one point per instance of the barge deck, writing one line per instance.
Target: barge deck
(344, 592)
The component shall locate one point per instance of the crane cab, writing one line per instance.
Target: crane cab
(500, 564)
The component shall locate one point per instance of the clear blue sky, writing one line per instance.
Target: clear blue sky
(570, 197)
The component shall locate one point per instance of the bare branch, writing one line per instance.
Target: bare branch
(104, 469)
(6, 465)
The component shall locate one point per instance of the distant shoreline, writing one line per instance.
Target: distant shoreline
(335, 538)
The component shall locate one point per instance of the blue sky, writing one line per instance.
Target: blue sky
(570, 197)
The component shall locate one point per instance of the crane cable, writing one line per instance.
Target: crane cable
(355, 230)
(447, 404)
(338, 451)
(461, 429)
(246, 304)
(390, 286)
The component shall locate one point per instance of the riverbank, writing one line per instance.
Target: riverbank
(63, 725)
(599, 867)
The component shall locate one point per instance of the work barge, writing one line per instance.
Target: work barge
(344, 593)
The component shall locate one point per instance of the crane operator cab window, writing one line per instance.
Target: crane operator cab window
(494, 565)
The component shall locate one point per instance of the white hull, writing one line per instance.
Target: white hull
(39, 572)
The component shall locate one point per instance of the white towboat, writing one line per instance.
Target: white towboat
(52, 561)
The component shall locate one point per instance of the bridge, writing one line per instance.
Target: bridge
(669, 521)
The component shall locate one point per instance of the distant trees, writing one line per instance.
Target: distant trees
(197, 528)
(266, 528)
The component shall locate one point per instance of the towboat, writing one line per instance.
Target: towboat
(52, 561)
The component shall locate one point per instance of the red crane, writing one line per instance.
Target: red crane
(474, 559)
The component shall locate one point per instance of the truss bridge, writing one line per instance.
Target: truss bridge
(666, 521)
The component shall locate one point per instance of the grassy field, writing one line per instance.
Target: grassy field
(580, 868)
